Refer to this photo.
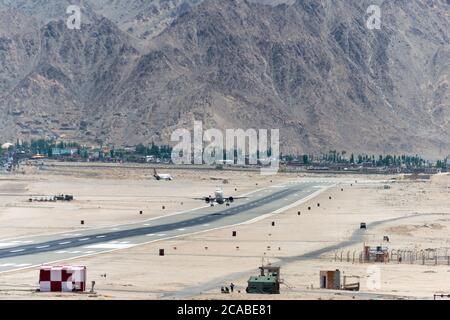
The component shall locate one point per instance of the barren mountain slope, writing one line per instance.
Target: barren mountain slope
(312, 69)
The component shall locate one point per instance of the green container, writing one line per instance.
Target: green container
(263, 285)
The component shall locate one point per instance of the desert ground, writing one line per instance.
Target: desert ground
(414, 212)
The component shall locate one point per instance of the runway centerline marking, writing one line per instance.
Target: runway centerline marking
(18, 250)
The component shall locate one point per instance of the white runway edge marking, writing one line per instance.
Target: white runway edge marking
(19, 265)
(8, 244)
(69, 252)
(158, 240)
(110, 246)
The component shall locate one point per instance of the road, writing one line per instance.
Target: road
(16, 254)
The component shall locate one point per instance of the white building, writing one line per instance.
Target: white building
(7, 145)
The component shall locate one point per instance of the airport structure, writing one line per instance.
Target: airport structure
(330, 279)
(62, 279)
(268, 282)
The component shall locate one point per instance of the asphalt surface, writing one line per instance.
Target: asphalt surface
(16, 254)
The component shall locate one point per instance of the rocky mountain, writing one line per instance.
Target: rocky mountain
(137, 70)
(61, 72)
(142, 18)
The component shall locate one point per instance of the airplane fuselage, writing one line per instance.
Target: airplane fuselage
(163, 177)
(219, 198)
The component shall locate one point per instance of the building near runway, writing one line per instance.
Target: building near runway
(268, 282)
(330, 279)
(62, 279)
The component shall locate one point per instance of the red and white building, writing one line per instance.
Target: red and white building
(62, 279)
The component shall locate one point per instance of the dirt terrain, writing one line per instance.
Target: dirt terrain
(414, 214)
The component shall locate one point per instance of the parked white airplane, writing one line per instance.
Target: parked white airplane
(219, 198)
(161, 176)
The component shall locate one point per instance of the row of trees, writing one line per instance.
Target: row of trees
(163, 152)
(379, 161)
(44, 146)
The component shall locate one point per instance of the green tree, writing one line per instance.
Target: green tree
(141, 149)
(305, 159)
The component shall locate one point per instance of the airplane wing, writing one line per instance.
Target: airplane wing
(204, 198)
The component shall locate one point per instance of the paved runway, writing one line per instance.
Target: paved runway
(37, 250)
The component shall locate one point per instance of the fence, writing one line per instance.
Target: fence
(436, 257)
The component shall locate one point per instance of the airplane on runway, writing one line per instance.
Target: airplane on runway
(218, 198)
(162, 176)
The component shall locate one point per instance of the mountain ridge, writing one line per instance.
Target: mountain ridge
(310, 68)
